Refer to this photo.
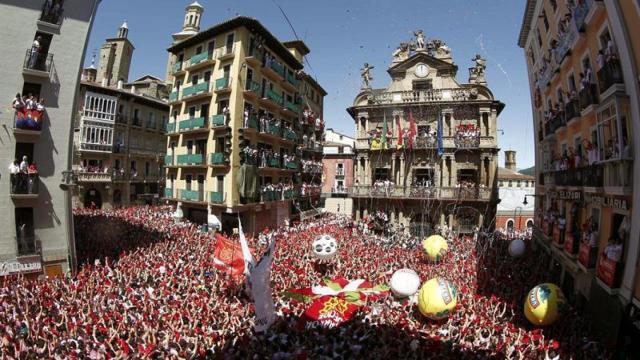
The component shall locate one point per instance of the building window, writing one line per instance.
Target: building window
(24, 231)
(422, 85)
(340, 149)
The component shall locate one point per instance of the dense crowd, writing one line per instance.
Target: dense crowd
(148, 288)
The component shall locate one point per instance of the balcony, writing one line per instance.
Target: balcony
(292, 165)
(191, 195)
(86, 176)
(252, 89)
(199, 59)
(273, 99)
(177, 67)
(609, 75)
(274, 130)
(193, 91)
(340, 172)
(571, 243)
(572, 110)
(274, 163)
(609, 271)
(339, 190)
(193, 124)
(545, 77)
(218, 120)
(580, 12)
(171, 128)
(28, 122)
(588, 176)
(291, 194)
(27, 245)
(216, 197)
(37, 64)
(168, 193)
(218, 159)
(565, 43)
(168, 160)
(277, 68)
(270, 195)
(463, 141)
(173, 97)
(223, 85)
(420, 192)
(226, 52)
(588, 96)
(618, 176)
(586, 254)
(252, 123)
(288, 105)
(291, 79)
(424, 142)
(24, 186)
(190, 160)
(290, 135)
(51, 15)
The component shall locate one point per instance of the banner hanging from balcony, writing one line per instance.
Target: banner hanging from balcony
(29, 119)
(400, 134)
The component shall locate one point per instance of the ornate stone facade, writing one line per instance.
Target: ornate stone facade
(426, 146)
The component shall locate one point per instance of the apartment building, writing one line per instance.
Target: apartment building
(41, 61)
(337, 172)
(582, 57)
(245, 133)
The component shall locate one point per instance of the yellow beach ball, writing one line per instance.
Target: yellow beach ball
(435, 246)
(437, 298)
(544, 304)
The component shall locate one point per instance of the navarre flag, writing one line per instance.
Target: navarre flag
(412, 130)
(227, 256)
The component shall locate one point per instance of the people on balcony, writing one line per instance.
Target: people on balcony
(35, 54)
(467, 135)
(28, 112)
(52, 11)
(14, 170)
(613, 250)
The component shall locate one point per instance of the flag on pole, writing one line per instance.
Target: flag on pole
(246, 253)
(440, 145)
(412, 130)
(259, 282)
(399, 132)
(227, 256)
(383, 141)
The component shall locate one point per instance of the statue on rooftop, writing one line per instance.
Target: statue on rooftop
(402, 52)
(420, 44)
(365, 72)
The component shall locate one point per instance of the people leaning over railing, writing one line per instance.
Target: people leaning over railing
(52, 11)
(467, 135)
(23, 176)
(29, 111)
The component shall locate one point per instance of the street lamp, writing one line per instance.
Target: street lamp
(525, 202)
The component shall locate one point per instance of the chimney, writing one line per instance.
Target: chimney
(510, 160)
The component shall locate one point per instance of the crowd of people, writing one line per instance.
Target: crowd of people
(29, 111)
(467, 135)
(148, 288)
(312, 166)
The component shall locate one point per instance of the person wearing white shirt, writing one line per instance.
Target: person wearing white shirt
(14, 169)
(613, 251)
(24, 165)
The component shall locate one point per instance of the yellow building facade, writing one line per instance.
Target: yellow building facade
(582, 59)
(240, 130)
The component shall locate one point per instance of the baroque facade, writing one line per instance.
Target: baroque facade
(426, 147)
(41, 62)
(119, 139)
(582, 59)
(244, 138)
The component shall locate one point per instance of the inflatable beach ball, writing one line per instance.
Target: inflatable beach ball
(404, 282)
(435, 246)
(544, 304)
(437, 298)
(517, 248)
(324, 247)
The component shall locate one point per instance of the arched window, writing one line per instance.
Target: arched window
(530, 223)
(510, 224)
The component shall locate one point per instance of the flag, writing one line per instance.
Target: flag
(228, 256)
(399, 132)
(412, 130)
(246, 254)
(383, 141)
(440, 145)
(259, 282)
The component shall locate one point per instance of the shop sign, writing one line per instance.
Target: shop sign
(14, 267)
(608, 201)
(566, 195)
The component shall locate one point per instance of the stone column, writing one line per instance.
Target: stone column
(393, 169)
(367, 170)
(401, 217)
(441, 219)
(451, 221)
(453, 172)
(481, 220)
(402, 169)
(481, 178)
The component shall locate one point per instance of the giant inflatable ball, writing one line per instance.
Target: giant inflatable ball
(324, 247)
(544, 304)
(435, 246)
(517, 248)
(437, 298)
(404, 282)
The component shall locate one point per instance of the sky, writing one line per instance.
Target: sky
(343, 35)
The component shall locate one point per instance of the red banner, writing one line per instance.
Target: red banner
(607, 270)
(228, 256)
(584, 254)
(568, 243)
(329, 311)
